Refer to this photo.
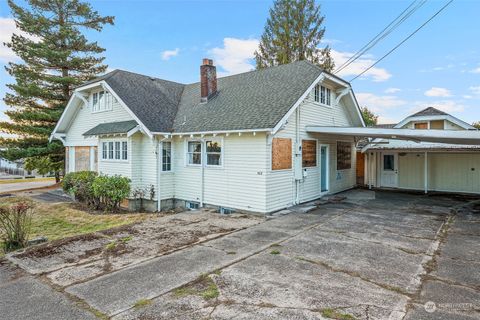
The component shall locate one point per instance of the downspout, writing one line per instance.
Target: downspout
(159, 173)
(297, 143)
(203, 159)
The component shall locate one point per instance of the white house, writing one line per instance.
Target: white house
(239, 142)
(426, 166)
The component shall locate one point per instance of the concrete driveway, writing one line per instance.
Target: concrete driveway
(397, 256)
(25, 185)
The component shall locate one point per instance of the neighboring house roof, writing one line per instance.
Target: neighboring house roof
(385, 125)
(430, 111)
(112, 128)
(412, 145)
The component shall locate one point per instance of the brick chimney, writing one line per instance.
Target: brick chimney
(208, 80)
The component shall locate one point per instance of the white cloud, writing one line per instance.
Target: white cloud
(476, 70)
(386, 119)
(379, 103)
(467, 96)
(167, 54)
(475, 89)
(375, 73)
(392, 90)
(438, 92)
(330, 41)
(7, 29)
(235, 56)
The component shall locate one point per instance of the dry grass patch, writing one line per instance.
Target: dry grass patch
(10, 181)
(62, 220)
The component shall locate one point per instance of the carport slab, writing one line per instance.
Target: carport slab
(418, 311)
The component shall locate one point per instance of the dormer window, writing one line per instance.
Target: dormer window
(102, 101)
(322, 95)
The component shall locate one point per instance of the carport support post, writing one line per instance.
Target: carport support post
(426, 172)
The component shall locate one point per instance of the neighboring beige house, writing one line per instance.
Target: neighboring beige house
(426, 166)
(239, 142)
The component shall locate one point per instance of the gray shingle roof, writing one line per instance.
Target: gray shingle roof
(252, 100)
(112, 127)
(430, 111)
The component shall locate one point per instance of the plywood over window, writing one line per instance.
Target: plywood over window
(344, 155)
(82, 158)
(421, 125)
(437, 124)
(281, 153)
(309, 153)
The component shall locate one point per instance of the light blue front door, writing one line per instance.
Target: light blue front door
(323, 168)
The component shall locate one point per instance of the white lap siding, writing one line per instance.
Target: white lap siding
(281, 183)
(239, 183)
(86, 120)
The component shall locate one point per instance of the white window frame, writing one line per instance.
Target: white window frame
(187, 153)
(204, 153)
(220, 141)
(322, 95)
(107, 101)
(171, 156)
(114, 143)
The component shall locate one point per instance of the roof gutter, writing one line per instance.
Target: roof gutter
(214, 132)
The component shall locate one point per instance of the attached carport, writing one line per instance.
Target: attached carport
(438, 160)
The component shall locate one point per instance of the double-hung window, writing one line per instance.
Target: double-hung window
(166, 156)
(114, 150)
(214, 153)
(194, 152)
(322, 95)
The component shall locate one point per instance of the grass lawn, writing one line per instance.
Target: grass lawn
(57, 221)
(9, 181)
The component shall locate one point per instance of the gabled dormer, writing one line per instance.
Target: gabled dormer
(433, 119)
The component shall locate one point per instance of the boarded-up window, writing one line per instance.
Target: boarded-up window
(309, 153)
(437, 124)
(82, 158)
(344, 155)
(281, 153)
(421, 125)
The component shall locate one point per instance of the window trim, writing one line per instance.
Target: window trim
(187, 153)
(203, 158)
(171, 156)
(220, 140)
(108, 106)
(108, 159)
(316, 153)
(317, 93)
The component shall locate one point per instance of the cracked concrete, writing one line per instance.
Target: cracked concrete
(378, 257)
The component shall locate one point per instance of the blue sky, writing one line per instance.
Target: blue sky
(439, 66)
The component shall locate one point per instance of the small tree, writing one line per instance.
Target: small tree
(476, 124)
(369, 117)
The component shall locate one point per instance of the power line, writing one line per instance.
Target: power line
(404, 40)
(402, 17)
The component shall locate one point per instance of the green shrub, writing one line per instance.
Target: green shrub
(80, 185)
(15, 223)
(111, 190)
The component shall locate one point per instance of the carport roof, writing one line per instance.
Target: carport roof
(462, 137)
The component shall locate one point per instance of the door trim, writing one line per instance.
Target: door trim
(395, 169)
(327, 167)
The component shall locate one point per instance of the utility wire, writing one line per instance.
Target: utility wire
(402, 17)
(404, 40)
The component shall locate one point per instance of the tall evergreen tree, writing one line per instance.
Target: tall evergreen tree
(56, 56)
(293, 32)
